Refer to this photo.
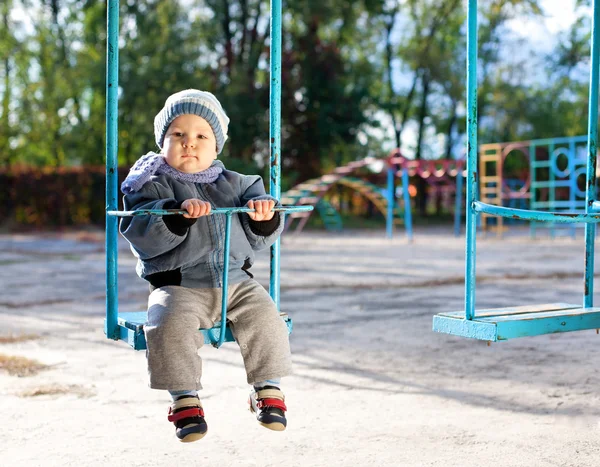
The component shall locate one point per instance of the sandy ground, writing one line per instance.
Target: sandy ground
(373, 385)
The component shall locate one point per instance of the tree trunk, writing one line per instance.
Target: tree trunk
(422, 112)
(228, 38)
(451, 123)
(422, 184)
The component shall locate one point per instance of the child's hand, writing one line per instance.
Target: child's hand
(195, 208)
(263, 209)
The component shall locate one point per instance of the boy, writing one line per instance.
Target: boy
(182, 259)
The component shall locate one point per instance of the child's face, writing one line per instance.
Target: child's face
(190, 144)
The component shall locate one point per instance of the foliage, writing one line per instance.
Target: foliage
(358, 78)
(51, 197)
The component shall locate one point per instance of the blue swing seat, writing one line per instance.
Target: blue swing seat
(501, 324)
(131, 329)
(522, 321)
(129, 326)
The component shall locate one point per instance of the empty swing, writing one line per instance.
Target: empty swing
(129, 326)
(520, 321)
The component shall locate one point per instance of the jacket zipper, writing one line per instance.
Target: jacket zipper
(215, 222)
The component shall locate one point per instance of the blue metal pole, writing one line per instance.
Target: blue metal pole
(112, 85)
(391, 199)
(407, 211)
(471, 158)
(225, 281)
(590, 229)
(458, 200)
(532, 189)
(275, 135)
(572, 182)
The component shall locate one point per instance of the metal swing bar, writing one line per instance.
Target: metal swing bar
(129, 326)
(520, 321)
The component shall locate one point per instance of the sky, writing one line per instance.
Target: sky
(560, 14)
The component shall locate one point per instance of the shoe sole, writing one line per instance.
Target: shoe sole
(192, 437)
(275, 426)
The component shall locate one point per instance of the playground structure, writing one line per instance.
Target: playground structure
(313, 192)
(443, 178)
(437, 174)
(553, 179)
(495, 187)
(544, 174)
(529, 320)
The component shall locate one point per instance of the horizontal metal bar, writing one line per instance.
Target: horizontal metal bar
(170, 212)
(552, 184)
(561, 140)
(545, 216)
(559, 204)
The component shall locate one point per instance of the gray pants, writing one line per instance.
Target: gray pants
(173, 341)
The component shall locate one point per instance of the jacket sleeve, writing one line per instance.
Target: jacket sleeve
(151, 236)
(261, 235)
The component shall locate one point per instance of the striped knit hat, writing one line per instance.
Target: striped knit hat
(192, 101)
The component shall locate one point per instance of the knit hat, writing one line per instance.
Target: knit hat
(192, 101)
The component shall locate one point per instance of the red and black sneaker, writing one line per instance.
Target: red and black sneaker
(269, 406)
(187, 415)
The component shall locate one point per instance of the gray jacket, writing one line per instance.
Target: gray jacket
(174, 250)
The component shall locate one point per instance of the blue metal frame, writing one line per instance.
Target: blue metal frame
(391, 200)
(472, 178)
(275, 135)
(514, 322)
(112, 145)
(557, 179)
(590, 229)
(391, 197)
(129, 326)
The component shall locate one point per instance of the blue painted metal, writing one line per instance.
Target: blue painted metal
(129, 326)
(133, 338)
(131, 330)
(407, 210)
(532, 181)
(521, 321)
(391, 201)
(233, 210)
(560, 217)
(225, 283)
(471, 158)
(275, 136)
(509, 323)
(590, 197)
(558, 185)
(112, 84)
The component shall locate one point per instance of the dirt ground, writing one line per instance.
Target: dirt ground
(373, 385)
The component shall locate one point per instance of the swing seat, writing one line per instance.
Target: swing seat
(131, 329)
(501, 324)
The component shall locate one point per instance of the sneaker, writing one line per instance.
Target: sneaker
(269, 406)
(187, 415)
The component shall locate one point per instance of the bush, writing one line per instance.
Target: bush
(52, 197)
